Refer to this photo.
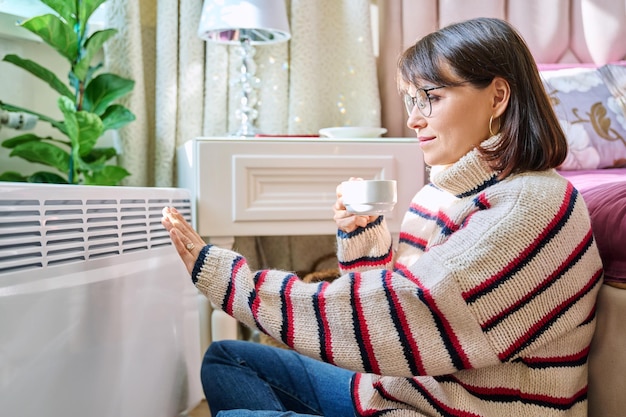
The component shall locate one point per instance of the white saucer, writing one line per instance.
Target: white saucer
(353, 132)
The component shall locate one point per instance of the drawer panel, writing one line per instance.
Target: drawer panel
(297, 187)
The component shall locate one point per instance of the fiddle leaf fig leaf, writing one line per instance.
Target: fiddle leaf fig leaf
(83, 128)
(116, 116)
(90, 128)
(65, 9)
(18, 140)
(98, 173)
(68, 109)
(92, 47)
(43, 153)
(99, 154)
(86, 9)
(56, 124)
(56, 33)
(40, 72)
(87, 167)
(47, 178)
(103, 90)
(109, 175)
(12, 176)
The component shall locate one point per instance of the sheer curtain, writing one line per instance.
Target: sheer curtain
(325, 76)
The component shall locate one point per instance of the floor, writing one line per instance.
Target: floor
(202, 410)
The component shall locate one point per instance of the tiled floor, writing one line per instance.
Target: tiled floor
(202, 410)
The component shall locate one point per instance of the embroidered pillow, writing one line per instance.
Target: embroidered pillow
(592, 118)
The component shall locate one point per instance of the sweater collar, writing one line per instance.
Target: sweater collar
(468, 176)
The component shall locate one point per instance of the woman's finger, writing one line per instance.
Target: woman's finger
(177, 221)
(186, 240)
(187, 251)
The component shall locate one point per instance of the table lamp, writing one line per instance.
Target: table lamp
(245, 23)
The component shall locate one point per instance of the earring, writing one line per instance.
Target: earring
(490, 128)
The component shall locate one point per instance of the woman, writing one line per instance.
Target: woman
(487, 306)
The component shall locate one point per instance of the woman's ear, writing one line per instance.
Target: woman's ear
(501, 96)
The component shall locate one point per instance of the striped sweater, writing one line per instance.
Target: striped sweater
(487, 308)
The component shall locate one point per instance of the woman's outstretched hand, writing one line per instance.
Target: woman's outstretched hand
(187, 242)
(346, 221)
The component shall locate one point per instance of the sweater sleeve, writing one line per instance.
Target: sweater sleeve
(509, 279)
(368, 247)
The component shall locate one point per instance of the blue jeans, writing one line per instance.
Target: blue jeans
(251, 379)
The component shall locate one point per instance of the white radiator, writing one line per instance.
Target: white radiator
(98, 316)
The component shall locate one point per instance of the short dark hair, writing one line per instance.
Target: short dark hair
(477, 51)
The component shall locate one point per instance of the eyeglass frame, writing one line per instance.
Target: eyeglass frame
(413, 101)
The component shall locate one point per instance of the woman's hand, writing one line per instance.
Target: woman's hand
(187, 242)
(346, 221)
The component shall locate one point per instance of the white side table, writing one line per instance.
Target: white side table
(284, 187)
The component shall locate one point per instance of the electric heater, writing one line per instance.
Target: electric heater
(98, 316)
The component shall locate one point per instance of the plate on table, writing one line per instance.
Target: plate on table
(352, 132)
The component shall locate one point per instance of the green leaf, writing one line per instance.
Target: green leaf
(40, 72)
(43, 153)
(116, 116)
(65, 9)
(110, 175)
(90, 164)
(56, 33)
(17, 140)
(47, 178)
(92, 47)
(103, 90)
(83, 128)
(90, 128)
(86, 9)
(71, 124)
(10, 107)
(12, 176)
(99, 155)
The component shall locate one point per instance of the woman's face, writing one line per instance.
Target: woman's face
(459, 121)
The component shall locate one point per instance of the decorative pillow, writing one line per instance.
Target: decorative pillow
(593, 119)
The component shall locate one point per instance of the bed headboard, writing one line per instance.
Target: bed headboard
(557, 31)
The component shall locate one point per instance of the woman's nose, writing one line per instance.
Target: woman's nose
(416, 120)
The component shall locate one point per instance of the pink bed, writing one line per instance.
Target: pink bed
(604, 191)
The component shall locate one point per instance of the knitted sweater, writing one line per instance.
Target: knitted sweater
(487, 308)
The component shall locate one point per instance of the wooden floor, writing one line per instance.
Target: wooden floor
(202, 410)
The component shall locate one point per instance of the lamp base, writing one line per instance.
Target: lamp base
(248, 84)
(246, 129)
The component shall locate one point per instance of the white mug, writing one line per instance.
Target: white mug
(369, 197)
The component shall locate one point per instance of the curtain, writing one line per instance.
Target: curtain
(324, 76)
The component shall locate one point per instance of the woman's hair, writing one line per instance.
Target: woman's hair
(477, 51)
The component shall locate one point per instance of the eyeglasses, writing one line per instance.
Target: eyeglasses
(421, 100)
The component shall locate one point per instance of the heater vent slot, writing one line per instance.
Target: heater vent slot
(35, 234)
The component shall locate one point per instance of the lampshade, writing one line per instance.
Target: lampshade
(259, 21)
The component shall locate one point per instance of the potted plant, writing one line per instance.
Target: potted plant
(87, 102)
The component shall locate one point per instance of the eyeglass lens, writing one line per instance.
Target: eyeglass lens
(421, 100)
